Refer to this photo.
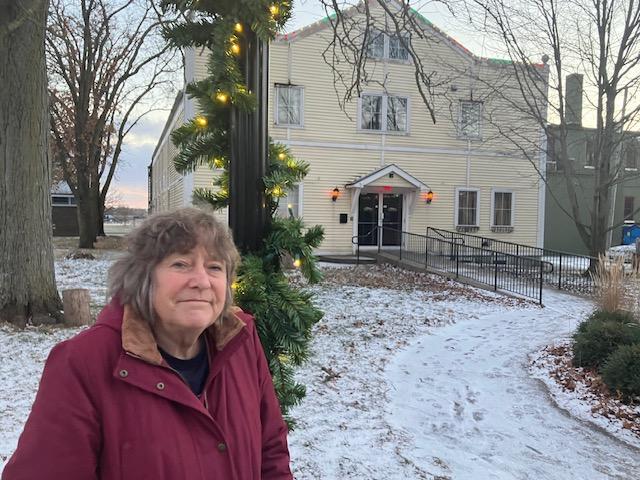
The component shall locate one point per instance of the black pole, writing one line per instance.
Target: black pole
(248, 213)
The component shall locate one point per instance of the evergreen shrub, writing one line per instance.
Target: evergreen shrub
(621, 372)
(604, 316)
(595, 340)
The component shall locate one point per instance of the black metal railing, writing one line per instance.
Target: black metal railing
(498, 270)
(561, 270)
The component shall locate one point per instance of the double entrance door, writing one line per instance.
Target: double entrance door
(380, 209)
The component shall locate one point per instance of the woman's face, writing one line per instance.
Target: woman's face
(189, 291)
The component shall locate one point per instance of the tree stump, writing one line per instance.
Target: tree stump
(75, 303)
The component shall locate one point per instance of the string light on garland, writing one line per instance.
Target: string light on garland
(235, 48)
(284, 358)
(225, 87)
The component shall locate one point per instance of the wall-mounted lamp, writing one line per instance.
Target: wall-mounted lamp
(428, 197)
(335, 193)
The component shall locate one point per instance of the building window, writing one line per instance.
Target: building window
(631, 154)
(375, 47)
(62, 200)
(629, 207)
(387, 46)
(552, 159)
(397, 50)
(384, 113)
(590, 154)
(290, 200)
(470, 117)
(371, 112)
(396, 114)
(288, 108)
(502, 209)
(466, 208)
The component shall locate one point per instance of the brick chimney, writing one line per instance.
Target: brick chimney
(573, 99)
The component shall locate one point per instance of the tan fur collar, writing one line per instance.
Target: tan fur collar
(138, 339)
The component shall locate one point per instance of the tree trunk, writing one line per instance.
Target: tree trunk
(76, 303)
(100, 218)
(87, 218)
(27, 282)
(248, 215)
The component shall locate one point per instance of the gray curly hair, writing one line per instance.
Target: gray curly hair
(130, 278)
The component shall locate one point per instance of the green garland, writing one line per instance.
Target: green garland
(284, 315)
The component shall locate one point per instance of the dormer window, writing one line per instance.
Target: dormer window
(383, 45)
(397, 50)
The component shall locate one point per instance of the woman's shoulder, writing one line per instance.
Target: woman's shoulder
(245, 317)
(90, 347)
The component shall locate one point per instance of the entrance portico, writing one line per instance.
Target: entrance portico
(383, 198)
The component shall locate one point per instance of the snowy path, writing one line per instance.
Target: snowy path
(465, 397)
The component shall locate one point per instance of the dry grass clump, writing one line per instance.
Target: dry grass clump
(615, 289)
(608, 280)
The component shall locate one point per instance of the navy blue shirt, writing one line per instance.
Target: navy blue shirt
(194, 371)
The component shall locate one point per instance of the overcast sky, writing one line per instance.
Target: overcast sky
(130, 184)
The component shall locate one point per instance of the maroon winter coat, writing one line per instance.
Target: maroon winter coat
(109, 407)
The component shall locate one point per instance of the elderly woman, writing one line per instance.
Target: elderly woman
(170, 383)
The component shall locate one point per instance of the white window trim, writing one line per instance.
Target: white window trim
(513, 206)
(386, 49)
(383, 114)
(461, 135)
(64, 205)
(276, 106)
(455, 210)
(406, 61)
(374, 33)
(300, 187)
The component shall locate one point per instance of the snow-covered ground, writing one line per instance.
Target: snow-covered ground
(410, 376)
(473, 411)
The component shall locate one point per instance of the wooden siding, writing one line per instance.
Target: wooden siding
(434, 153)
(395, 181)
(167, 184)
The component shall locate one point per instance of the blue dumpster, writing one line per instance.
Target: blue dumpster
(630, 233)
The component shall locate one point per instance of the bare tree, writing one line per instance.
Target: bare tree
(27, 284)
(600, 41)
(105, 58)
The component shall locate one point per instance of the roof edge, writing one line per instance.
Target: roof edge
(177, 102)
(381, 172)
(325, 22)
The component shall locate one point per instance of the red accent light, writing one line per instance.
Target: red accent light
(387, 188)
